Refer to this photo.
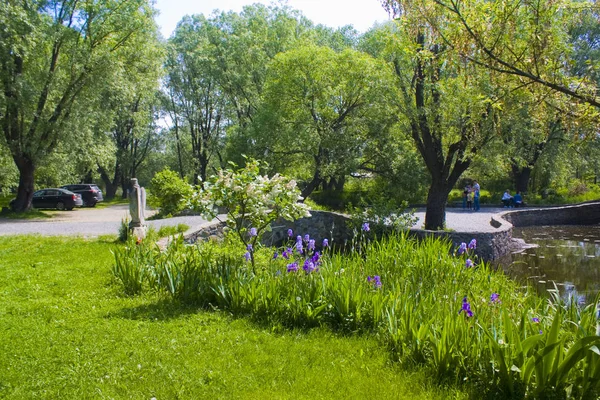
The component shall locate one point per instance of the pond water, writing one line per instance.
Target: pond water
(565, 256)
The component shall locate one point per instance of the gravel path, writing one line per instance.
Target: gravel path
(86, 222)
(460, 220)
(90, 222)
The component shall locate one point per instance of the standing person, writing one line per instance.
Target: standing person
(476, 189)
(470, 199)
(465, 195)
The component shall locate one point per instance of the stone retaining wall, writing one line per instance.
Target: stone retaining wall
(321, 225)
(579, 214)
(494, 245)
(490, 245)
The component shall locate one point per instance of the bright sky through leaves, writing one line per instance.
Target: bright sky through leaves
(362, 14)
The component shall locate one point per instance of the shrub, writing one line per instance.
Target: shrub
(169, 192)
(252, 201)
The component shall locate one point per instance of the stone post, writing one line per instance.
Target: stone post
(137, 208)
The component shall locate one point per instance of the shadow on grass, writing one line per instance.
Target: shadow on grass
(162, 310)
(27, 215)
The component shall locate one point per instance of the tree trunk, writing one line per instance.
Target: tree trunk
(111, 185)
(312, 185)
(435, 215)
(124, 187)
(521, 177)
(26, 181)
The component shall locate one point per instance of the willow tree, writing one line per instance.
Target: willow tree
(448, 107)
(318, 112)
(529, 41)
(52, 56)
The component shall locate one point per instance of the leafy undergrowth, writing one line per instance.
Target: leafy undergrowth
(433, 307)
(67, 331)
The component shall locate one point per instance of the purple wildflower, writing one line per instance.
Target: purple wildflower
(309, 266)
(299, 247)
(469, 263)
(311, 245)
(473, 244)
(535, 320)
(325, 243)
(249, 247)
(495, 298)
(252, 232)
(315, 257)
(462, 248)
(290, 232)
(365, 227)
(293, 267)
(466, 307)
(287, 253)
(247, 256)
(306, 238)
(375, 280)
(275, 255)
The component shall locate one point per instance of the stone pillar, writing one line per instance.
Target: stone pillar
(137, 208)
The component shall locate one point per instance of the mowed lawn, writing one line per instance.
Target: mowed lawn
(68, 332)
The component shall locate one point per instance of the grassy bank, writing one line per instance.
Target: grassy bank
(67, 331)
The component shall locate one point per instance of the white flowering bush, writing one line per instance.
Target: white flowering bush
(252, 201)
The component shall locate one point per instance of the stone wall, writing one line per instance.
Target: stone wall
(580, 214)
(321, 225)
(490, 245)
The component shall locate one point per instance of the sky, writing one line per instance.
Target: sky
(362, 14)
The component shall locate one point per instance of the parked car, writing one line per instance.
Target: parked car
(90, 193)
(60, 199)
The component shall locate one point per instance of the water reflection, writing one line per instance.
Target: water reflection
(568, 256)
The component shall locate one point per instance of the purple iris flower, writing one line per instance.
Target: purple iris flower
(365, 227)
(298, 238)
(290, 232)
(252, 232)
(287, 253)
(275, 255)
(309, 266)
(466, 307)
(469, 263)
(315, 257)
(247, 256)
(311, 245)
(535, 320)
(473, 244)
(462, 248)
(293, 267)
(299, 247)
(306, 238)
(495, 298)
(375, 280)
(325, 243)
(249, 247)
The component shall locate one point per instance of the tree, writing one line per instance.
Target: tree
(52, 54)
(130, 101)
(316, 111)
(197, 102)
(447, 105)
(526, 40)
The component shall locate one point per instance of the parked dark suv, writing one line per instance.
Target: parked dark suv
(90, 193)
(60, 199)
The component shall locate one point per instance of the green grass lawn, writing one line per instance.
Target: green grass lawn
(67, 332)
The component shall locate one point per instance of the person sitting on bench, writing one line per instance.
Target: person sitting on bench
(518, 200)
(506, 198)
